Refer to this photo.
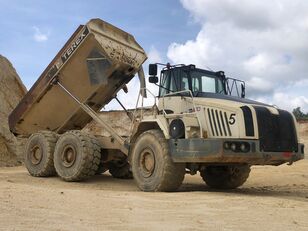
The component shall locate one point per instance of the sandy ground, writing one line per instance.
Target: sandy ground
(274, 198)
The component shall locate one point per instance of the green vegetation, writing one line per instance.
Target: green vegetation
(299, 115)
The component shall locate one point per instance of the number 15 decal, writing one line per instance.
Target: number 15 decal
(232, 119)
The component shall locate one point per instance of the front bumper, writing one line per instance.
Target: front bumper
(212, 151)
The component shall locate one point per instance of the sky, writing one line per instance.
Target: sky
(261, 42)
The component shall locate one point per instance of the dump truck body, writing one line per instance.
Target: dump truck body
(196, 124)
(95, 63)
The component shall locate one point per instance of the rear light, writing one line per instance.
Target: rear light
(287, 154)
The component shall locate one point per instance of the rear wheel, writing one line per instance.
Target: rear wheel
(39, 154)
(77, 156)
(225, 177)
(152, 166)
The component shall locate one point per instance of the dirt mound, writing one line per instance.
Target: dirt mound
(11, 92)
(117, 119)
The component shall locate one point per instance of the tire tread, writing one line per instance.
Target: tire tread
(227, 179)
(173, 173)
(48, 169)
(90, 161)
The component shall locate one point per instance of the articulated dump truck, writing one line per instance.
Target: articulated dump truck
(195, 125)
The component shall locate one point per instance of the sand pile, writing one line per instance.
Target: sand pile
(11, 91)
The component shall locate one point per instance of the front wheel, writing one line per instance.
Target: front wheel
(152, 166)
(225, 177)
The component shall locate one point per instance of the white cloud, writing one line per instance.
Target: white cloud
(290, 102)
(258, 64)
(259, 85)
(39, 36)
(154, 56)
(200, 51)
(262, 42)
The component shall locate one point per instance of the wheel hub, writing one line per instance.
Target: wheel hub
(36, 155)
(68, 156)
(147, 162)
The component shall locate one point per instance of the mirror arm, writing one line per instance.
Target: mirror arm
(142, 82)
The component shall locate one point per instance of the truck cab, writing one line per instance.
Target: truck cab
(208, 128)
(190, 78)
(202, 109)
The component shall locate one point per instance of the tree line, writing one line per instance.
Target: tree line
(299, 115)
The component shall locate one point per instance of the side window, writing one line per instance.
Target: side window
(208, 84)
(219, 87)
(164, 83)
(173, 84)
(185, 83)
(175, 81)
(195, 84)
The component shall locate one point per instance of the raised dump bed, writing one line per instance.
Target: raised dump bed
(96, 62)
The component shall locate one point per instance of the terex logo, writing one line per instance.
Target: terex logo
(74, 45)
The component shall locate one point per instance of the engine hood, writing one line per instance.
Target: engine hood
(231, 98)
(231, 102)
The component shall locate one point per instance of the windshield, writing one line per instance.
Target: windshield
(197, 81)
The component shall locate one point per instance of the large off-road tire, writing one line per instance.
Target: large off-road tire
(39, 154)
(225, 177)
(152, 166)
(77, 156)
(120, 169)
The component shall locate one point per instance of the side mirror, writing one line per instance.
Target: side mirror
(243, 91)
(152, 69)
(153, 79)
